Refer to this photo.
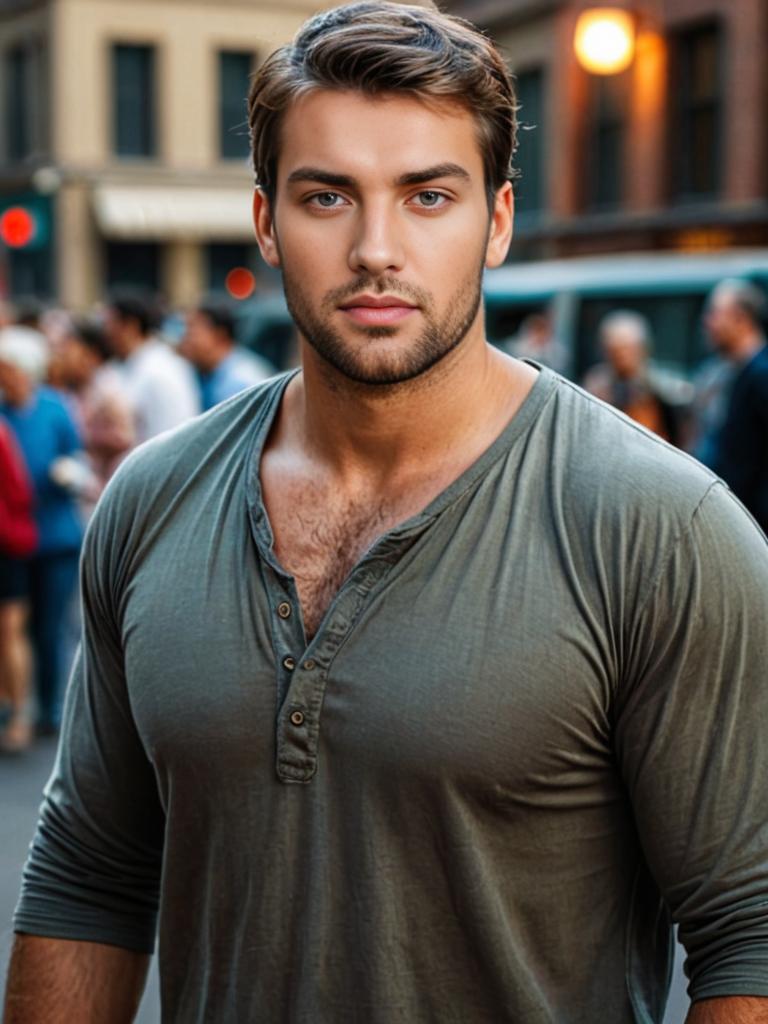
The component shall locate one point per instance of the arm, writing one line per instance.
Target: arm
(91, 882)
(739, 1010)
(55, 981)
(691, 740)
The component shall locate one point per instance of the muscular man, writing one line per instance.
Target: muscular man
(416, 685)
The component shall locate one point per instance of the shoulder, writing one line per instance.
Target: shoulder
(611, 459)
(151, 480)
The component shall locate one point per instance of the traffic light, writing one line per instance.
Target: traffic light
(24, 221)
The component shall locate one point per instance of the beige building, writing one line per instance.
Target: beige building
(123, 132)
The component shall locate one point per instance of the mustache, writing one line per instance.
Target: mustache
(382, 285)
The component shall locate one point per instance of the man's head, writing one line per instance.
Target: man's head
(128, 321)
(83, 350)
(209, 336)
(625, 339)
(733, 317)
(23, 363)
(382, 137)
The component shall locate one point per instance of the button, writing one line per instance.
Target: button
(297, 717)
(289, 663)
(309, 665)
(284, 610)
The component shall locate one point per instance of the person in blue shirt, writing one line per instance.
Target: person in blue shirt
(46, 434)
(223, 367)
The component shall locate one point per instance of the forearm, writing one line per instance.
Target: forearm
(729, 1010)
(56, 981)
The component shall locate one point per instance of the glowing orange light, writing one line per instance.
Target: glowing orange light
(604, 40)
(17, 227)
(240, 283)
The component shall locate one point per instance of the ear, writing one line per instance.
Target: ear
(265, 228)
(502, 218)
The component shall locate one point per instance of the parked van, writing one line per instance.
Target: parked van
(668, 288)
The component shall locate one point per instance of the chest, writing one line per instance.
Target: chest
(320, 536)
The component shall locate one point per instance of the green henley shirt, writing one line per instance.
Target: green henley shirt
(529, 733)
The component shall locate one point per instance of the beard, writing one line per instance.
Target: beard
(365, 362)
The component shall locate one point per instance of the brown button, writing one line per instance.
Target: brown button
(284, 610)
(309, 665)
(297, 717)
(289, 663)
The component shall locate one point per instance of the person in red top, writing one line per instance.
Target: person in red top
(18, 540)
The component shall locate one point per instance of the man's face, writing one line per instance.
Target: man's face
(625, 352)
(381, 228)
(722, 321)
(200, 343)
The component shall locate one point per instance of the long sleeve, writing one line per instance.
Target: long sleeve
(692, 742)
(93, 871)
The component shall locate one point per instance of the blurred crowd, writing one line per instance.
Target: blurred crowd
(76, 396)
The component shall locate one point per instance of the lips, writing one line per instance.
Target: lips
(377, 310)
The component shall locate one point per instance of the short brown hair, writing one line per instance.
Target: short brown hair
(379, 47)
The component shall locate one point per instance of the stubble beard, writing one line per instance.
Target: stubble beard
(439, 337)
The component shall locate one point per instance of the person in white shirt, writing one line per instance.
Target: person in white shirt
(159, 384)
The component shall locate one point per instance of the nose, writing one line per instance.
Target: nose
(377, 245)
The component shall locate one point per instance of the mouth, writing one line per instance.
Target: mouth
(377, 310)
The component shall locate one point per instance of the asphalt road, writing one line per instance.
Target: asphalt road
(21, 783)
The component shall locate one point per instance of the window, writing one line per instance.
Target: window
(234, 79)
(604, 152)
(529, 187)
(133, 265)
(17, 112)
(695, 123)
(133, 79)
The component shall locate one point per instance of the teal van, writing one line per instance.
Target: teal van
(670, 289)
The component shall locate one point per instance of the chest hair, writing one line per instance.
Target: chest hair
(319, 542)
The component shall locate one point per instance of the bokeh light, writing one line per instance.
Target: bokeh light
(604, 40)
(240, 283)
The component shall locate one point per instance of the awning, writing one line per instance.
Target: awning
(163, 212)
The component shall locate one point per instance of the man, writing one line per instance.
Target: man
(159, 384)
(224, 368)
(416, 686)
(735, 444)
(628, 381)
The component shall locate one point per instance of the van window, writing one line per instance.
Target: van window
(503, 320)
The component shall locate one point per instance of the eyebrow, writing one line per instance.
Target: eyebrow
(316, 174)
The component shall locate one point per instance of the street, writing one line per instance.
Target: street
(21, 783)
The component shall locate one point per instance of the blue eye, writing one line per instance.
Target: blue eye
(326, 199)
(429, 199)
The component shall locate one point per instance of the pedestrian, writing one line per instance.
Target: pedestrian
(417, 685)
(735, 441)
(159, 384)
(537, 340)
(627, 379)
(18, 540)
(224, 368)
(102, 409)
(45, 434)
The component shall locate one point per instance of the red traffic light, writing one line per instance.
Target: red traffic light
(18, 227)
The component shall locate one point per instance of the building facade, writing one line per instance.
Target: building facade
(670, 154)
(123, 134)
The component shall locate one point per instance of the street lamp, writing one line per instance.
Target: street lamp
(604, 40)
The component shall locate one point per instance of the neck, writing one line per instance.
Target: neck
(748, 344)
(381, 433)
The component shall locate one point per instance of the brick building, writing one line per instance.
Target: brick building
(671, 154)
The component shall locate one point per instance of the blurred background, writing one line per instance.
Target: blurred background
(132, 294)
